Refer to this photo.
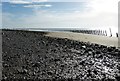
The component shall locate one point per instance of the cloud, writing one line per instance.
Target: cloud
(19, 2)
(25, 1)
(37, 6)
(110, 6)
(39, 0)
(48, 19)
(48, 5)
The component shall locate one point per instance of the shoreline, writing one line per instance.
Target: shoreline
(102, 40)
(81, 37)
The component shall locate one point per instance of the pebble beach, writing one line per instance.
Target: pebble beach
(36, 56)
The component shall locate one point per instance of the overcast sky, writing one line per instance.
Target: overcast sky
(60, 14)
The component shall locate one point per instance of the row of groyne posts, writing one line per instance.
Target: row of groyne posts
(95, 32)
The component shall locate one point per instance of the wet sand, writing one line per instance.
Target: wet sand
(102, 40)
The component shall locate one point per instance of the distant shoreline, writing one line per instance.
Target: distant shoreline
(74, 30)
(98, 39)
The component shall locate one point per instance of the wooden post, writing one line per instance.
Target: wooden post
(110, 32)
(116, 34)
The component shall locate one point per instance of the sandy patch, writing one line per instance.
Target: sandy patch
(103, 40)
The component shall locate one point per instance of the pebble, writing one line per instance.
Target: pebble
(64, 59)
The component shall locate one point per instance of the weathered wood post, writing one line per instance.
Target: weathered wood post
(110, 32)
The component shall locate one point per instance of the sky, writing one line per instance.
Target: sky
(90, 14)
